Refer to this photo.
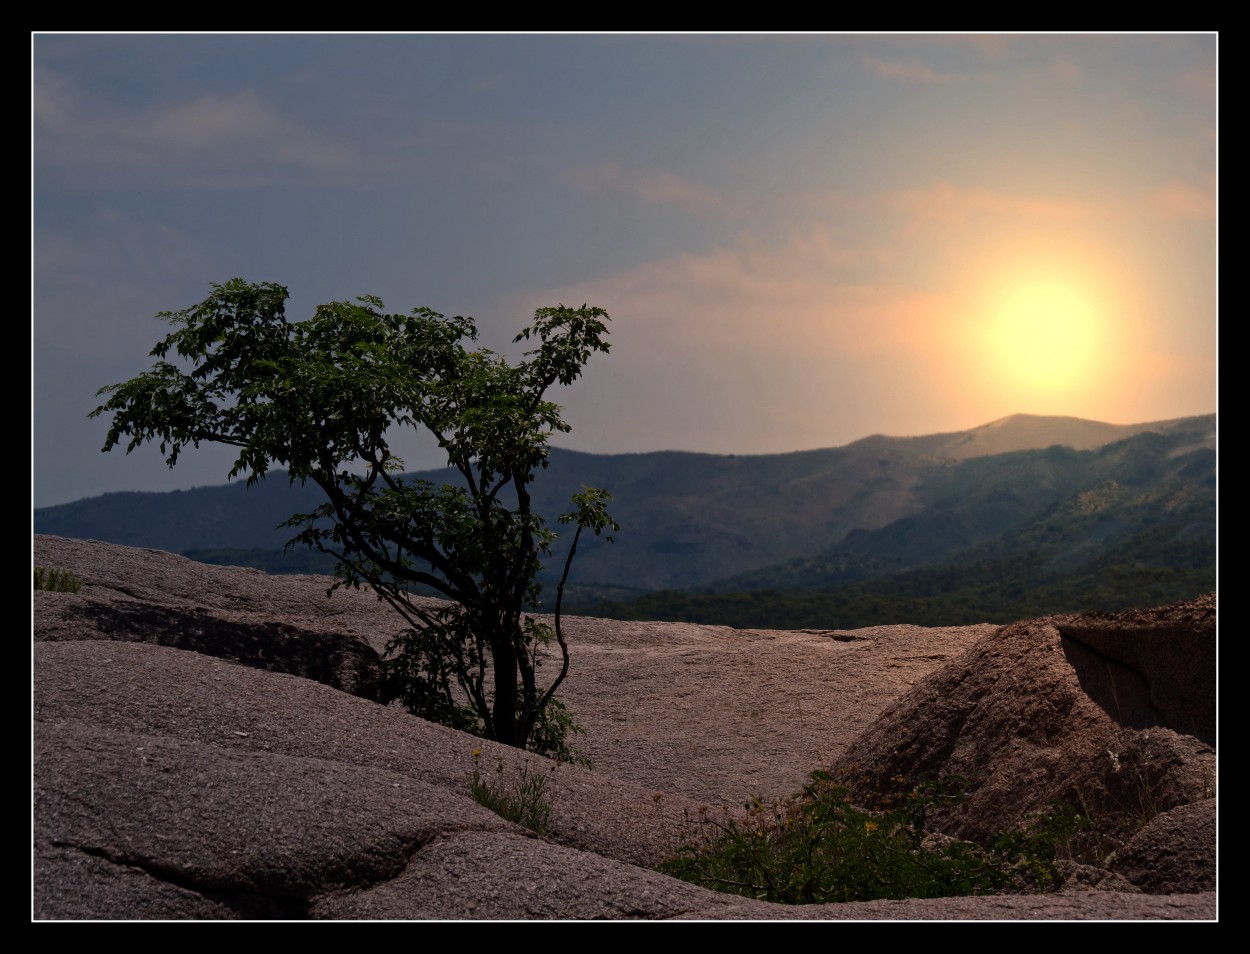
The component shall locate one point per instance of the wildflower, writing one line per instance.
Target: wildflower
(477, 753)
(870, 826)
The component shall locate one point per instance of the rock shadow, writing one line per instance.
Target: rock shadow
(342, 662)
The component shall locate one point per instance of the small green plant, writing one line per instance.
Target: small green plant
(1080, 830)
(819, 848)
(522, 800)
(60, 581)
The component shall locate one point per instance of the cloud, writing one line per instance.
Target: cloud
(949, 205)
(493, 82)
(1067, 71)
(756, 345)
(98, 286)
(990, 48)
(805, 293)
(239, 139)
(1201, 82)
(1177, 200)
(912, 71)
(660, 187)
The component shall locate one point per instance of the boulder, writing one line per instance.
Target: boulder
(1032, 717)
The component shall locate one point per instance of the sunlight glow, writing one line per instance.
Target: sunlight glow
(1046, 335)
(1045, 325)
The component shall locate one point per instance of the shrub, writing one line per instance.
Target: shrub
(819, 848)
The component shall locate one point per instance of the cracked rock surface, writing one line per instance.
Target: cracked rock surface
(206, 747)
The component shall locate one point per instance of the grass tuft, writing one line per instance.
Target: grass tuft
(61, 581)
(522, 800)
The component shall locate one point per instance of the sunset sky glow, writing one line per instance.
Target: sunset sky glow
(801, 240)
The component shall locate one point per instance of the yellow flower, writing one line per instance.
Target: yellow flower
(477, 752)
(870, 826)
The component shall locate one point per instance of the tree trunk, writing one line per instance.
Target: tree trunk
(503, 657)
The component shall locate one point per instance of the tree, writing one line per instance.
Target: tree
(323, 398)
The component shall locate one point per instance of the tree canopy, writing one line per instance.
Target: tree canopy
(324, 399)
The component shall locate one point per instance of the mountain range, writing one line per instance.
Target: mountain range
(1029, 502)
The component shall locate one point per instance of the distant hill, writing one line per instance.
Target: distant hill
(1023, 534)
(811, 518)
(979, 501)
(1032, 432)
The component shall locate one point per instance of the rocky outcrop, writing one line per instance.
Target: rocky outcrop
(1108, 714)
(1173, 852)
(215, 769)
(344, 662)
(1158, 665)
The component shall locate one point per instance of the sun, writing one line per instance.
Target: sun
(1045, 335)
(1041, 328)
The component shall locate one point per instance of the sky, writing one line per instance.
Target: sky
(801, 240)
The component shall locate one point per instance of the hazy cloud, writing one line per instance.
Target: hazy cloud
(240, 139)
(1201, 82)
(660, 187)
(77, 286)
(912, 71)
(799, 238)
(947, 204)
(1182, 201)
(1066, 70)
(804, 292)
(750, 345)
